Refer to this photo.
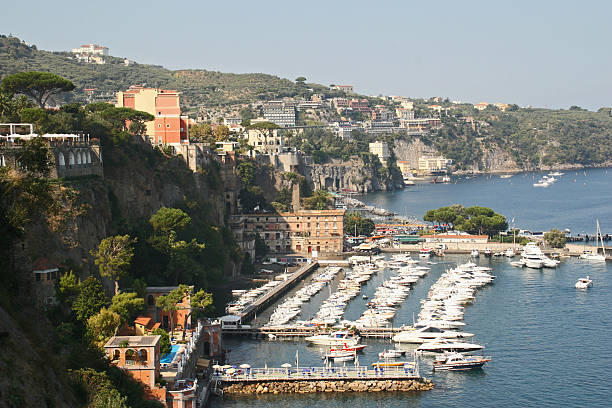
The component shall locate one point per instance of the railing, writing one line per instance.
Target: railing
(408, 371)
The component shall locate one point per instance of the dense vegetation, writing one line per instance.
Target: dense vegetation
(198, 87)
(473, 220)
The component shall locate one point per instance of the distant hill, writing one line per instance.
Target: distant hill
(198, 86)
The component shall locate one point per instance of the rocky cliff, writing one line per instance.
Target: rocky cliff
(351, 175)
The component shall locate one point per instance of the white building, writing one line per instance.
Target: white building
(279, 112)
(91, 49)
(347, 89)
(380, 149)
(266, 141)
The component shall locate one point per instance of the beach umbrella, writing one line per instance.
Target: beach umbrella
(245, 366)
(225, 367)
(286, 365)
(231, 371)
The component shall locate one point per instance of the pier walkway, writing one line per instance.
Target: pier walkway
(266, 299)
(305, 331)
(409, 371)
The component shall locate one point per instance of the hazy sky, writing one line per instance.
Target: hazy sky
(540, 53)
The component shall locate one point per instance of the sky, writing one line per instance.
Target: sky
(543, 53)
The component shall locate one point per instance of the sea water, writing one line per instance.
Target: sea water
(549, 342)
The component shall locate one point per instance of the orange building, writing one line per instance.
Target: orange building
(137, 355)
(169, 126)
(157, 317)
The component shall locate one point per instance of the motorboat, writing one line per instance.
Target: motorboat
(425, 252)
(380, 364)
(346, 347)
(423, 334)
(488, 252)
(337, 338)
(474, 253)
(534, 258)
(391, 354)
(518, 264)
(584, 283)
(458, 362)
(339, 355)
(505, 176)
(439, 346)
(509, 253)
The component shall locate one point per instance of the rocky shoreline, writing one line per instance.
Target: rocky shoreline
(307, 387)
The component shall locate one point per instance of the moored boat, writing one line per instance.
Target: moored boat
(458, 362)
(584, 283)
(334, 339)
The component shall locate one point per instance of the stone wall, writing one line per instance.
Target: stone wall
(305, 387)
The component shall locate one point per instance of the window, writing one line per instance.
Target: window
(38, 277)
(159, 125)
(167, 125)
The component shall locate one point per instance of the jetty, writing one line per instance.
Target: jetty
(319, 379)
(265, 300)
(297, 331)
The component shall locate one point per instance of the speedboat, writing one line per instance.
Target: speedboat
(441, 345)
(458, 362)
(584, 283)
(338, 355)
(474, 253)
(337, 338)
(509, 253)
(488, 252)
(518, 264)
(425, 252)
(391, 354)
(423, 334)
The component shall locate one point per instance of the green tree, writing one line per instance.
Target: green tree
(164, 343)
(201, 132)
(252, 198)
(90, 300)
(37, 85)
(555, 238)
(140, 287)
(114, 256)
(221, 133)
(35, 158)
(320, 200)
(68, 288)
(300, 80)
(127, 305)
(103, 325)
(247, 170)
(261, 248)
(355, 222)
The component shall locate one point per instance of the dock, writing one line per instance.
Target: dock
(288, 332)
(265, 300)
(319, 379)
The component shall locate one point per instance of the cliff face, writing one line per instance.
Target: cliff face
(411, 150)
(351, 175)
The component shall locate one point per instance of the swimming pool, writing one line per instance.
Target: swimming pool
(168, 358)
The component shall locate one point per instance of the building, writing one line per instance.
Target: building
(45, 275)
(91, 49)
(343, 129)
(380, 149)
(73, 155)
(347, 89)
(232, 120)
(179, 317)
(340, 103)
(266, 141)
(481, 106)
(280, 112)
(361, 105)
(406, 168)
(502, 106)
(137, 355)
(420, 125)
(299, 232)
(169, 126)
(382, 114)
(432, 165)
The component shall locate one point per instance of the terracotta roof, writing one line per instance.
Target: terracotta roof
(143, 320)
(43, 264)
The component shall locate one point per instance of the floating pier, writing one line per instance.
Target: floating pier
(319, 379)
(305, 331)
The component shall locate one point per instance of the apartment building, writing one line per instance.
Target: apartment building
(266, 141)
(380, 149)
(169, 126)
(481, 106)
(361, 105)
(280, 112)
(91, 49)
(347, 89)
(299, 232)
(432, 165)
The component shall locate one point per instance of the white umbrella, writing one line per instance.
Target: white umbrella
(286, 365)
(225, 367)
(216, 367)
(231, 371)
(245, 366)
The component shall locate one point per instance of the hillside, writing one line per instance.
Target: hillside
(199, 87)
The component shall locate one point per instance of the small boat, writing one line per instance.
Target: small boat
(391, 364)
(458, 362)
(518, 264)
(584, 283)
(505, 176)
(594, 256)
(391, 353)
(488, 252)
(338, 355)
(358, 347)
(510, 253)
(334, 339)
(440, 346)
(365, 296)
(474, 253)
(425, 252)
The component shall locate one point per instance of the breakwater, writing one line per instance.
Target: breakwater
(306, 387)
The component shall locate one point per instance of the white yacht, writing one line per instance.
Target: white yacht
(534, 258)
(474, 253)
(509, 253)
(423, 334)
(584, 283)
(338, 338)
(439, 346)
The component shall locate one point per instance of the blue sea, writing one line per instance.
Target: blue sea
(549, 342)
